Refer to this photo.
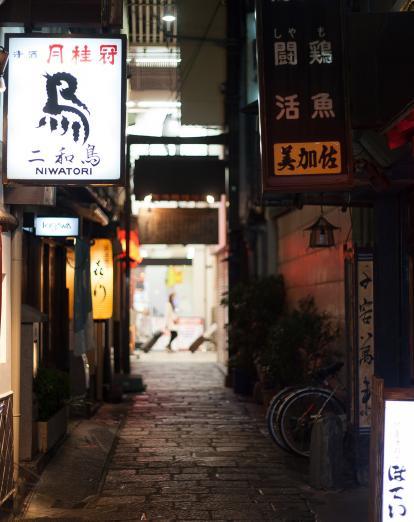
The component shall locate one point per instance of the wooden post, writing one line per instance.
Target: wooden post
(376, 450)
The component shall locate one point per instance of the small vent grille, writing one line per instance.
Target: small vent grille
(149, 78)
(6, 448)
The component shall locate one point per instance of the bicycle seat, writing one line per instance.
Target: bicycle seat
(328, 371)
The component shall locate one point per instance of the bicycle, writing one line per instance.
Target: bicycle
(293, 411)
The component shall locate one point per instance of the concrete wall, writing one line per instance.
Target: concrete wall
(318, 272)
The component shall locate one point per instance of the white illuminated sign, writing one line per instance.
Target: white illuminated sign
(65, 109)
(398, 464)
(57, 226)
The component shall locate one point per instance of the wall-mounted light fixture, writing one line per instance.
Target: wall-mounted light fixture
(322, 233)
(4, 58)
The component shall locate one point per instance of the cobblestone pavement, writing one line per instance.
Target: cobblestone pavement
(192, 450)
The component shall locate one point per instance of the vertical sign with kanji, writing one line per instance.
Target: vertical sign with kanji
(398, 463)
(365, 338)
(391, 460)
(65, 109)
(102, 278)
(304, 120)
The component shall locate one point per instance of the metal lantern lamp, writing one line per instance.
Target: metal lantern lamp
(322, 233)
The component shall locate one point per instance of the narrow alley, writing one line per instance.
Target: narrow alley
(190, 449)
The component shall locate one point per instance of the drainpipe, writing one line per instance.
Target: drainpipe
(125, 304)
(16, 303)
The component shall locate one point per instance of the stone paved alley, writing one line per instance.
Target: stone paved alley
(190, 449)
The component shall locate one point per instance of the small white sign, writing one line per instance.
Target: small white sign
(57, 226)
(398, 464)
(65, 112)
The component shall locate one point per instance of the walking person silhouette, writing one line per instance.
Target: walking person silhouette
(171, 320)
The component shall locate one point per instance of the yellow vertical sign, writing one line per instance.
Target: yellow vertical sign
(70, 278)
(102, 278)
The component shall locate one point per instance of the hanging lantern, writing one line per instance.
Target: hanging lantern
(102, 279)
(135, 257)
(321, 233)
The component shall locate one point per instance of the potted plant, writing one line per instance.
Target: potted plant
(300, 342)
(52, 390)
(253, 308)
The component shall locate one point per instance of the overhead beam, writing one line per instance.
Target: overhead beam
(219, 139)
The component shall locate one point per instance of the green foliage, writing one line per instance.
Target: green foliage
(52, 389)
(253, 308)
(300, 342)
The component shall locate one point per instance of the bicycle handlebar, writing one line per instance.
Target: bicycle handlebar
(328, 371)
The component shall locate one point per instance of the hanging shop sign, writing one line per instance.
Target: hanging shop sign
(303, 101)
(70, 279)
(65, 110)
(398, 466)
(365, 352)
(135, 257)
(391, 454)
(57, 226)
(185, 226)
(102, 278)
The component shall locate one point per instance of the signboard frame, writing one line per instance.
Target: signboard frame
(272, 183)
(122, 151)
(364, 323)
(377, 446)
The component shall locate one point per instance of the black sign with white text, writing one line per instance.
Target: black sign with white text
(304, 121)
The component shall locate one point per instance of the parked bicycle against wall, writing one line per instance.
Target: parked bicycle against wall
(294, 410)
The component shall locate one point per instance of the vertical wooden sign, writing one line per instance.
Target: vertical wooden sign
(365, 350)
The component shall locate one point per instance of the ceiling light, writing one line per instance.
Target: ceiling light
(210, 199)
(169, 15)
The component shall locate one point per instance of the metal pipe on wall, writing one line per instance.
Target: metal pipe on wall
(16, 306)
(133, 24)
(147, 38)
(141, 22)
(125, 303)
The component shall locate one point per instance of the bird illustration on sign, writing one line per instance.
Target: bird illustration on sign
(64, 85)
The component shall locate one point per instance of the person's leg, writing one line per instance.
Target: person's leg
(172, 337)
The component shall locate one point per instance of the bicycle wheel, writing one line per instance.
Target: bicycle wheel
(298, 414)
(273, 412)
